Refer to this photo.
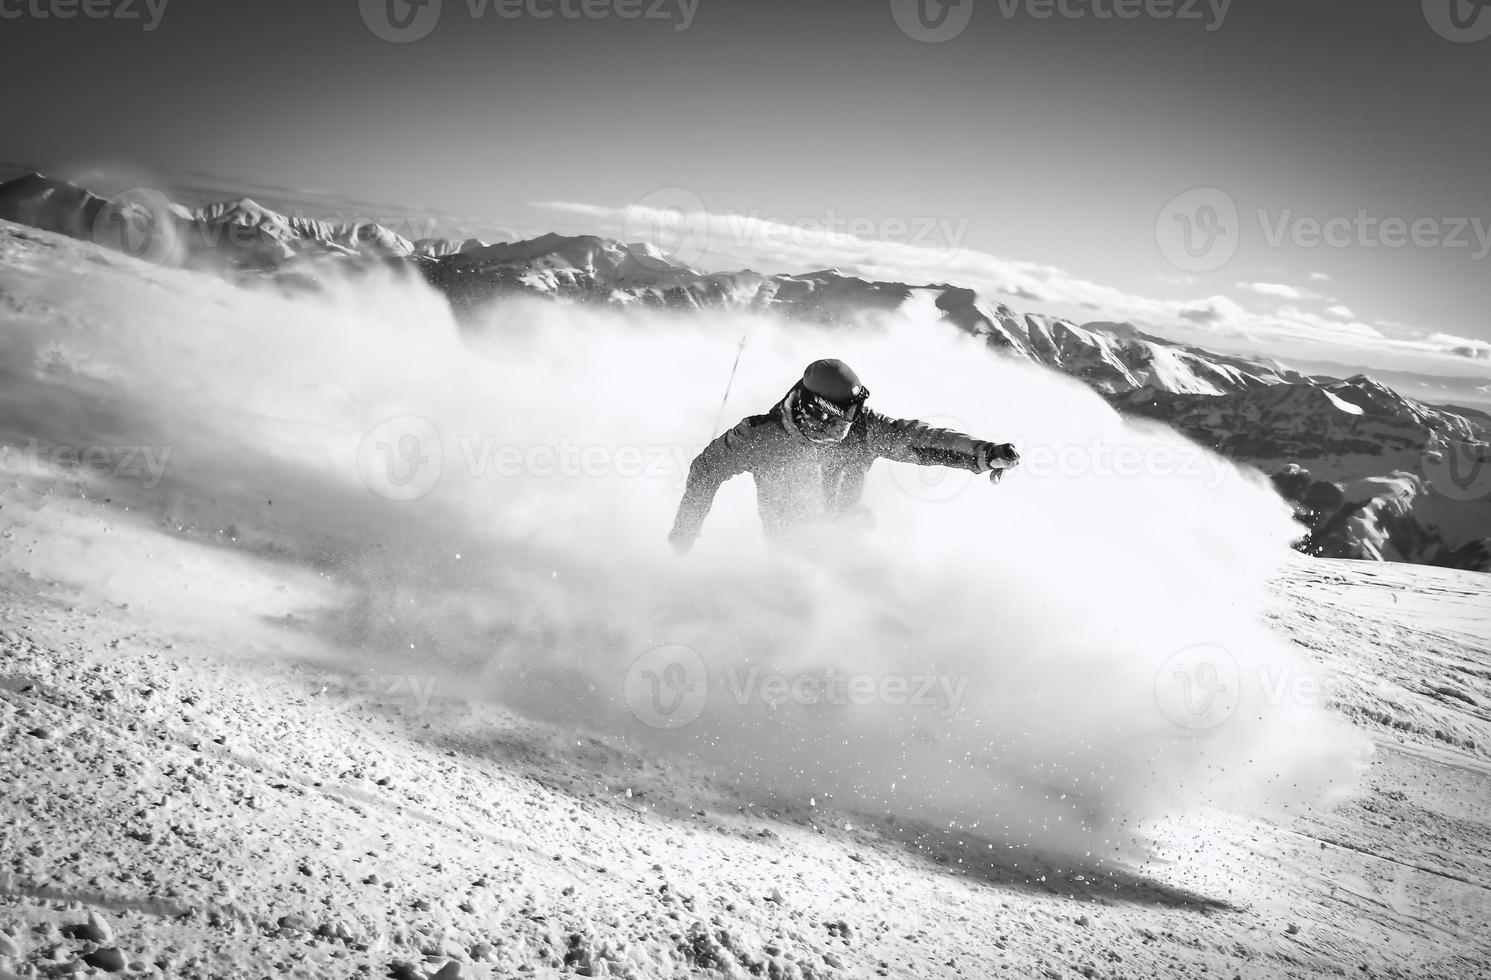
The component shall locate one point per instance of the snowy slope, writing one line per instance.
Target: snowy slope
(260, 715)
(208, 788)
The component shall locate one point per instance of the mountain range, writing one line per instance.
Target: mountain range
(1373, 474)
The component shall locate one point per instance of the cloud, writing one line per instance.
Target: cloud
(1319, 277)
(574, 207)
(1222, 315)
(1479, 350)
(1300, 322)
(918, 251)
(1216, 311)
(927, 250)
(1272, 289)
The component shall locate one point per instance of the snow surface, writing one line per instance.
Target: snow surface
(259, 718)
(1342, 405)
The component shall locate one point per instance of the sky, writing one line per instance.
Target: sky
(1305, 179)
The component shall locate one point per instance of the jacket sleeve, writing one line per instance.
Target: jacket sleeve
(731, 454)
(910, 441)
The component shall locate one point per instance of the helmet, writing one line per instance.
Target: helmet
(827, 401)
(833, 379)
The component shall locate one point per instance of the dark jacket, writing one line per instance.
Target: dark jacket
(801, 483)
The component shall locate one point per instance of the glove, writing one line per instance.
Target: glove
(681, 542)
(998, 456)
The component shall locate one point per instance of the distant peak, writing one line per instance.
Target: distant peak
(36, 180)
(647, 249)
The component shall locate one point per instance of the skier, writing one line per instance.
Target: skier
(810, 453)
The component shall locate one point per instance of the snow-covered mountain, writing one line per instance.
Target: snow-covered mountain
(245, 236)
(1109, 357)
(1373, 446)
(235, 235)
(1376, 475)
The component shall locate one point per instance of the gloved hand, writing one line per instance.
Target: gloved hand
(996, 457)
(681, 542)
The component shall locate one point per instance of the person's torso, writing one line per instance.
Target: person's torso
(802, 482)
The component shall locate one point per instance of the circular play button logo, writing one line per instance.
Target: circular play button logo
(673, 220)
(1199, 231)
(401, 458)
(1461, 21)
(400, 21)
(667, 687)
(1199, 687)
(932, 21)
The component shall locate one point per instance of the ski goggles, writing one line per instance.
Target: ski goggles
(823, 420)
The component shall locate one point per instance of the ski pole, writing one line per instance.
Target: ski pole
(720, 415)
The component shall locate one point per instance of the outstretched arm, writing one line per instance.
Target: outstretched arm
(729, 455)
(910, 441)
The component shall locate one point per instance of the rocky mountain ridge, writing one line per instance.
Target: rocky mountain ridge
(1401, 475)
